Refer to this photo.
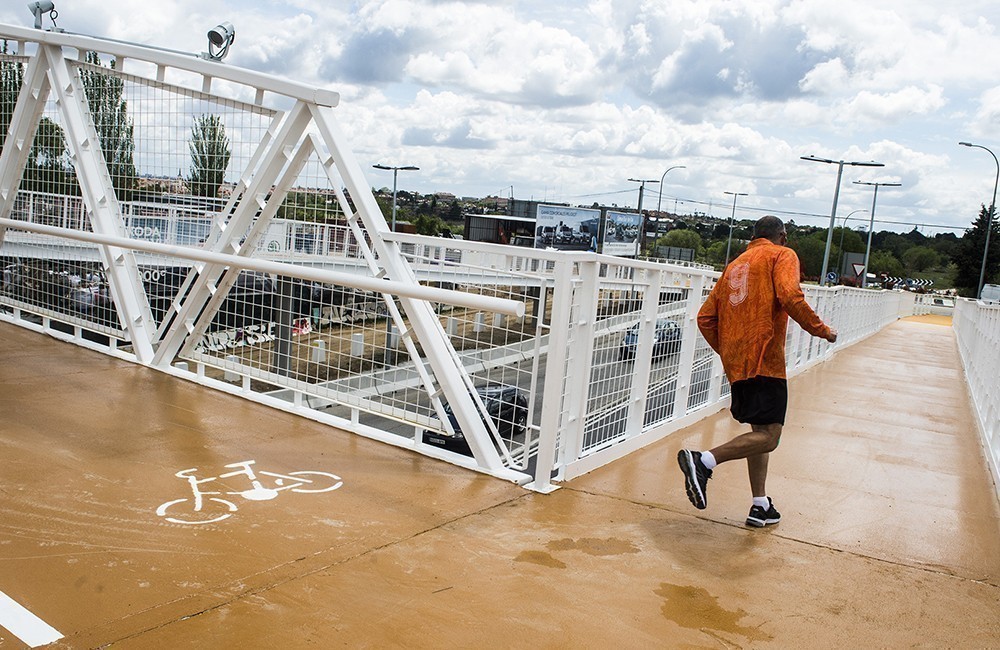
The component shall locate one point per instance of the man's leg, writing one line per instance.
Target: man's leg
(762, 439)
(757, 467)
(697, 466)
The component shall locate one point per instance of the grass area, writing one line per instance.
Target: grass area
(943, 276)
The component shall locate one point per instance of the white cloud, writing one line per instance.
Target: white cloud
(827, 78)
(572, 99)
(894, 106)
(986, 122)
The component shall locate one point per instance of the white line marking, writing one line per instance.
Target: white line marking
(25, 625)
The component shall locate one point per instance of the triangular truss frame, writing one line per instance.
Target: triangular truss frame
(307, 130)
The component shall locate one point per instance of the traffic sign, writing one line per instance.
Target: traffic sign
(858, 269)
(831, 277)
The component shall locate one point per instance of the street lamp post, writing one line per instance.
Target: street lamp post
(836, 195)
(395, 172)
(871, 224)
(731, 220)
(640, 240)
(842, 229)
(989, 222)
(660, 199)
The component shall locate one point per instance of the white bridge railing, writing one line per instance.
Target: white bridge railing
(287, 287)
(977, 328)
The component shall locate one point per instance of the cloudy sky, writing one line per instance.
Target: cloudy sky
(566, 100)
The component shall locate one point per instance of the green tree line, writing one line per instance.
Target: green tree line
(955, 261)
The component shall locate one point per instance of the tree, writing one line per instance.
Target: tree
(968, 254)
(309, 206)
(210, 154)
(682, 239)
(884, 261)
(49, 167)
(427, 224)
(715, 253)
(115, 131)
(944, 244)
(810, 251)
(11, 79)
(920, 258)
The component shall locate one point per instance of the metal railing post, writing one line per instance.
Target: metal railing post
(688, 343)
(579, 370)
(553, 402)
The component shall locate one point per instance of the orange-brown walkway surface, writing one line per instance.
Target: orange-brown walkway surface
(890, 534)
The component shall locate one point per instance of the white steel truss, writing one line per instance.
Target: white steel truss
(284, 284)
(259, 192)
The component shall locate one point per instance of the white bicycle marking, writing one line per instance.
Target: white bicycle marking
(211, 509)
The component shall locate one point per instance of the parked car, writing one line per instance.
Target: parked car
(507, 407)
(666, 339)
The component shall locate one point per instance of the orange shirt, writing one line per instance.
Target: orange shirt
(746, 315)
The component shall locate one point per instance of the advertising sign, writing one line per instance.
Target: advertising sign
(621, 233)
(565, 228)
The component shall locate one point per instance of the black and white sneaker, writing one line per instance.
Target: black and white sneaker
(758, 517)
(696, 477)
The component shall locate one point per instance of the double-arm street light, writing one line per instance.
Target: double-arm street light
(640, 239)
(989, 222)
(871, 224)
(731, 219)
(836, 195)
(395, 172)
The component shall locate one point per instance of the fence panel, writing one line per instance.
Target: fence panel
(977, 329)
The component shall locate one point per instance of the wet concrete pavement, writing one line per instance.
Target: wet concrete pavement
(890, 534)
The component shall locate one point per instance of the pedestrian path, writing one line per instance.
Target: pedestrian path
(890, 534)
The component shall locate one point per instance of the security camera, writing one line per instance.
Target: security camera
(219, 40)
(39, 8)
(221, 34)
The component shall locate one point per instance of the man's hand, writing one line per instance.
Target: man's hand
(832, 338)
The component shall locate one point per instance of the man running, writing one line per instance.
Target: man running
(744, 320)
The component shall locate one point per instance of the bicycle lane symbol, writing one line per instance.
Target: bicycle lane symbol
(202, 508)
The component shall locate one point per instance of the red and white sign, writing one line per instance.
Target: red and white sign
(858, 269)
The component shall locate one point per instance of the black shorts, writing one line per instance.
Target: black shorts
(760, 400)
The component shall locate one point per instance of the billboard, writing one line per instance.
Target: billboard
(565, 228)
(621, 233)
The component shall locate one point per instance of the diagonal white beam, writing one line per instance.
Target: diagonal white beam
(454, 381)
(99, 195)
(259, 184)
(17, 141)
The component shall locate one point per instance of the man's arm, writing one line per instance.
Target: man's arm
(793, 301)
(708, 321)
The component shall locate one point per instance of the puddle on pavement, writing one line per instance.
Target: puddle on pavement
(695, 608)
(592, 546)
(541, 558)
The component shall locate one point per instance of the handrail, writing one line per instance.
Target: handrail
(377, 285)
(162, 58)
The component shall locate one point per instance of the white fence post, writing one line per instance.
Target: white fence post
(579, 368)
(688, 344)
(555, 370)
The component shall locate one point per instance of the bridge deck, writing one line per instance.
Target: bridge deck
(890, 537)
